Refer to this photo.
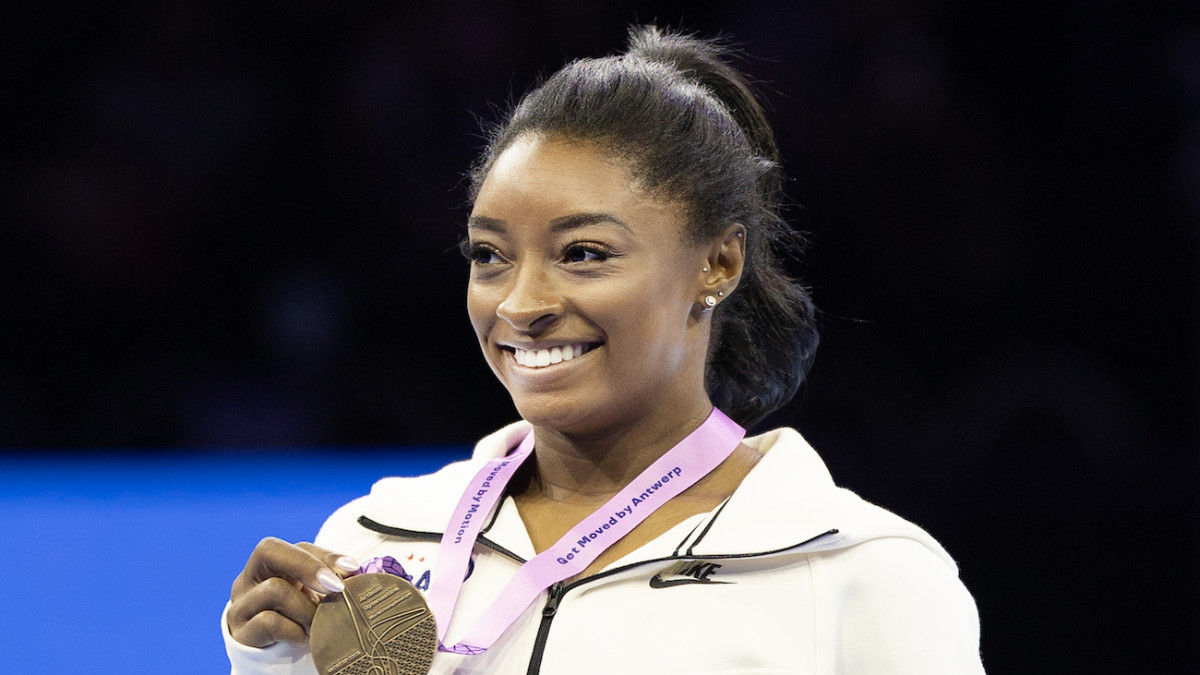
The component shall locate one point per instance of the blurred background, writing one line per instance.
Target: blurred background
(230, 295)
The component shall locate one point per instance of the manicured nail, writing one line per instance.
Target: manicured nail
(331, 581)
(346, 564)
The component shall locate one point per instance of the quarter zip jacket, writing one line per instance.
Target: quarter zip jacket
(790, 575)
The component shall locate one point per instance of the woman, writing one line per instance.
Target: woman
(624, 278)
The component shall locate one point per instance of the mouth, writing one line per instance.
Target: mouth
(544, 358)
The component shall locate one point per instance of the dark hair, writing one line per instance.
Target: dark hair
(692, 131)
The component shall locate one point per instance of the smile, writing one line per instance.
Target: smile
(541, 358)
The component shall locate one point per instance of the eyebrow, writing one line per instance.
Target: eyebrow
(573, 221)
(485, 223)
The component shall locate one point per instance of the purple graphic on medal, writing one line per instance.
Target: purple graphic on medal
(387, 565)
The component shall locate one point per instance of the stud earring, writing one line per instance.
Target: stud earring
(720, 294)
(705, 270)
(710, 301)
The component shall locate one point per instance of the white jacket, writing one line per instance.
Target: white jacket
(790, 575)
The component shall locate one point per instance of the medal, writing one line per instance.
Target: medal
(379, 625)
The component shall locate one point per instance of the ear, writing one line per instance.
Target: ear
(726, 258)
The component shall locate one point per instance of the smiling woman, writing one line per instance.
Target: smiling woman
(624, 246)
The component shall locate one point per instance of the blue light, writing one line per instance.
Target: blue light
(121, 564)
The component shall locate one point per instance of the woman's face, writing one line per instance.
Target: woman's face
(584, 290)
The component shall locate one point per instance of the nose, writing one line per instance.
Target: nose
(532, 303)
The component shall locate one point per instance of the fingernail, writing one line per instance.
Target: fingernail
(346, 563)
(331, 581)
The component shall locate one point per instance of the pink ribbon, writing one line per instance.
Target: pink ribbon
(677, 470)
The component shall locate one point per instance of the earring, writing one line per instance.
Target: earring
(720, 294)
(705, 270)
(710, 301)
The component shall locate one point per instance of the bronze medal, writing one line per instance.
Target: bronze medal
(380, 625)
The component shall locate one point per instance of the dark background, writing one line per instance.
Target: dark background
(233, 225)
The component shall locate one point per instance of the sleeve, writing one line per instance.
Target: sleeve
(278, 659)
(896, 608)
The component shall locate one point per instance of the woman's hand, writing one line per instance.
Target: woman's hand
(275, 596)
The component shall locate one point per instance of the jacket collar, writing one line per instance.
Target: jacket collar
(788, 499)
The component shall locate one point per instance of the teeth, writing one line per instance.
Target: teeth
(545, 357)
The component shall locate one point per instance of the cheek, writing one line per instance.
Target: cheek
(481, 307)
(654, 332)
(666, 321)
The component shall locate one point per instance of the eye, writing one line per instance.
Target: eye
(577, 253)
(478, 254)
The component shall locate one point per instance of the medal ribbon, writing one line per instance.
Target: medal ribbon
(677, 470)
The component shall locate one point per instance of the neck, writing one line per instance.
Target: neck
(591, 469)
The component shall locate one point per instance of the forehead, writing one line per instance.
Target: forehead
(546, 178)
(537, 152)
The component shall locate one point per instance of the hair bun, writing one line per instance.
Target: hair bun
(706, 62)
(690, 55)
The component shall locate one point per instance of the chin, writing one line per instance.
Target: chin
(559, 414)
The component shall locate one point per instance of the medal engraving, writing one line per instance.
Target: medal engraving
(380, 625)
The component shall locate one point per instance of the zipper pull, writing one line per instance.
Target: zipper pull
(552, 601)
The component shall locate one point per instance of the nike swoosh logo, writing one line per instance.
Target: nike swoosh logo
(657, 581)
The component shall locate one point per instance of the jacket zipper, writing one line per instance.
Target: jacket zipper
(539, 645)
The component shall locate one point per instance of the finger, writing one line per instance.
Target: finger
(274, 595)
(267, 628)
(276, 558)
(342, 564)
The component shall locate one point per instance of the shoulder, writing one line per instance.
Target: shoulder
(886, 567)
(898, 608)
(886, 591)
